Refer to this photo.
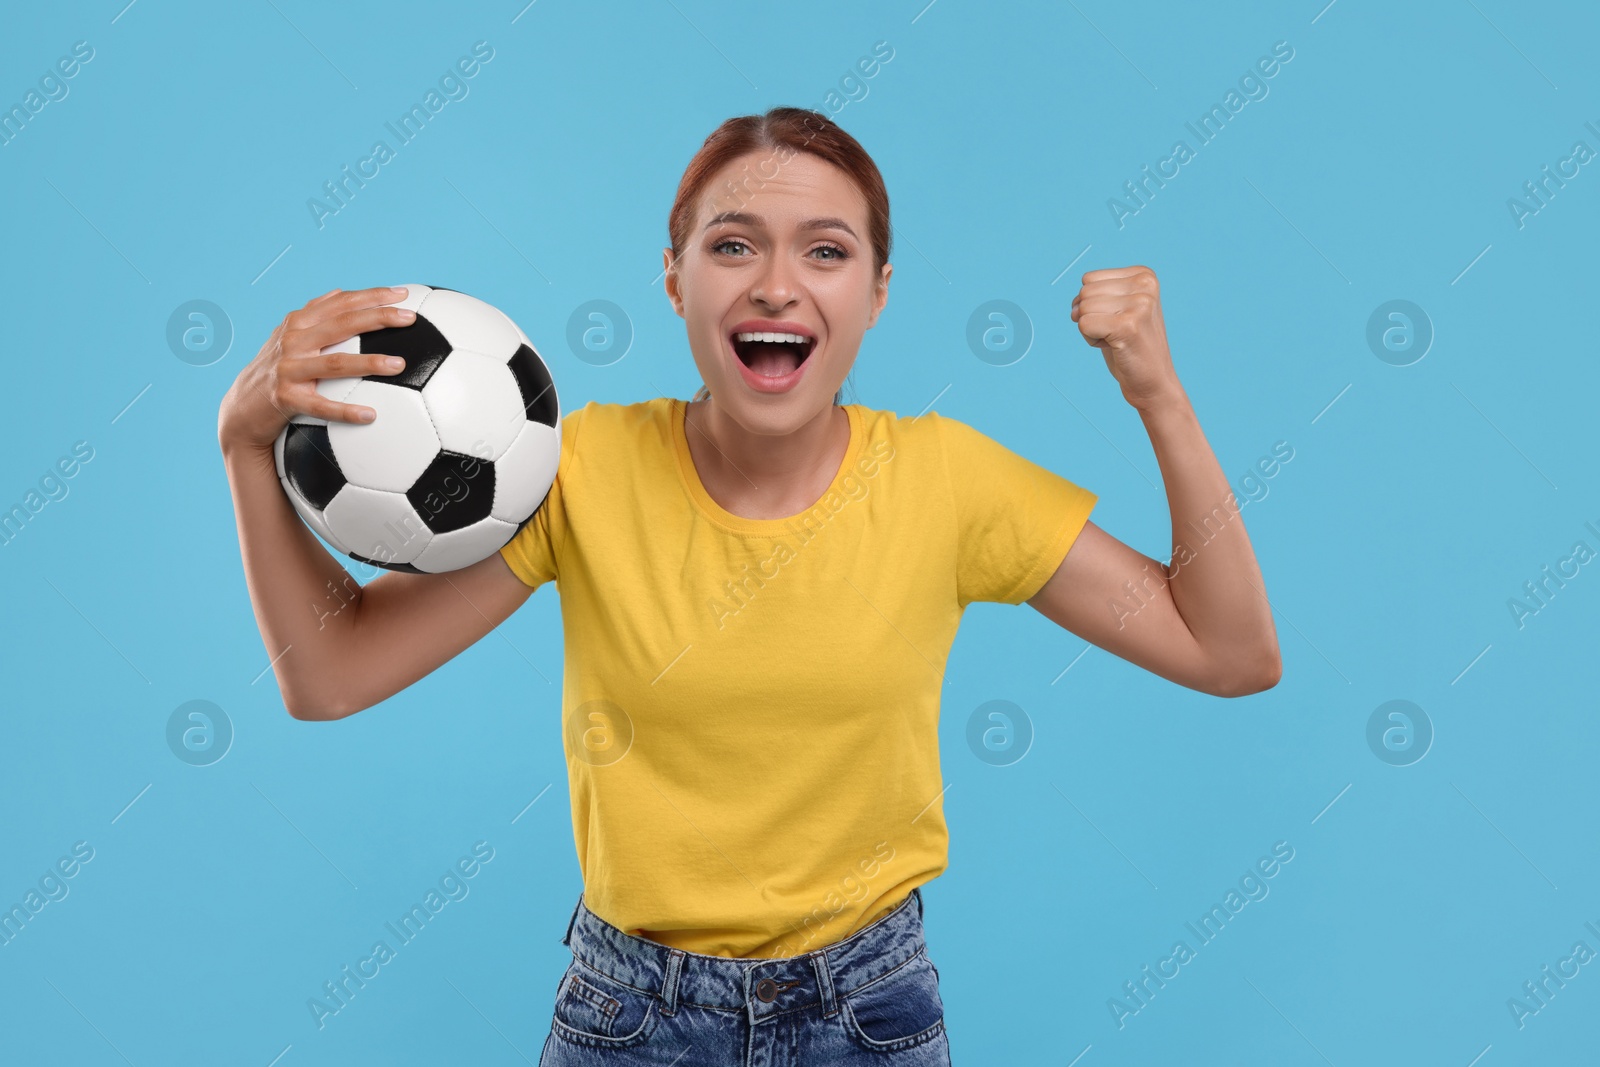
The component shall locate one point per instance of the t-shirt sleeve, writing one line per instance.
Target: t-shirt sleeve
(534, 551)
(1015, 520)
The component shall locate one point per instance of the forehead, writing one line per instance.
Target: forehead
(782, 192)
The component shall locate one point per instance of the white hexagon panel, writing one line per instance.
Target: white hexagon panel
(377, 525)
(391, 451)
(475, 405)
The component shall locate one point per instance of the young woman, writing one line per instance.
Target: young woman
(759, 588)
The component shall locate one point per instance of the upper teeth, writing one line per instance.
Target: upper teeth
(793, 338)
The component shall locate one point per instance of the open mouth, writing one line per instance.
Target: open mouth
(772, 354)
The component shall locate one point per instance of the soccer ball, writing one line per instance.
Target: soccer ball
(463, 451)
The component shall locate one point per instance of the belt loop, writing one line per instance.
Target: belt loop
(819, 963)
(566, 938)
(669, 984)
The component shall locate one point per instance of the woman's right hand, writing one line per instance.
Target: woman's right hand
(281, 381)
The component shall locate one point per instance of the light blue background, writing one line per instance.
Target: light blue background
(1415, 506)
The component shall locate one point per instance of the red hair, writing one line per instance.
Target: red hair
(781, 133)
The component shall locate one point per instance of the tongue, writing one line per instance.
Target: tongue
(771, 358)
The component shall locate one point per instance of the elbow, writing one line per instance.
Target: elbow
(1254, 675)
(316, 707)
(1267, 674)
(312, 712)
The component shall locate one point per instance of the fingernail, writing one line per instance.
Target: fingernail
(394, 363)
(407, 313)
(399, 289)
(367, 414)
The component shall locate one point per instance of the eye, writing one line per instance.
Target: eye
(838, 252)
(730, 241)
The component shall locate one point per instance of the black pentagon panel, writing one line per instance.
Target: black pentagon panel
(309, 464)
(408, 568)
(444, 288)
(455, 491)
(420, 344)
(533, 380)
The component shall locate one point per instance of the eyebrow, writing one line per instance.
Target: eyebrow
(746, 219)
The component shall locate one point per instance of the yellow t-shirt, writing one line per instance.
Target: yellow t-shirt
(750, 706)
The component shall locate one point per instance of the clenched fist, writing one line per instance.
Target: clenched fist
(1119, 312)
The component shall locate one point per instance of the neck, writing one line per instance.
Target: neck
(778, 472)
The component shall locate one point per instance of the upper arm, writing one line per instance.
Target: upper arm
(1090, 594)
(1012, 517)
(407, 625)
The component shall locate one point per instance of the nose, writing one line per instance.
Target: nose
(774, 285)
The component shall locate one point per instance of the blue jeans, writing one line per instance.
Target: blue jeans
(870, 1000)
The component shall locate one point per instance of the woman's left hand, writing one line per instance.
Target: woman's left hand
(1119, 312)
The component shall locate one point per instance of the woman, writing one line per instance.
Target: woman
(758, 591)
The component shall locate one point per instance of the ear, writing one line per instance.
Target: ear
(674, 294)
(881, 296)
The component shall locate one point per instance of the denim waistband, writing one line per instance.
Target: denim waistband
(760, 986)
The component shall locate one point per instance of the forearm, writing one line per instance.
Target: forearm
(1213, 576)
(305, 602)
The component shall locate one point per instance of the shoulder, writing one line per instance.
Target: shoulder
(925, 433)
(920, 430)
(601, 419)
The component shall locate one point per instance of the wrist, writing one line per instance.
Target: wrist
(1167, 400)
(250, 453)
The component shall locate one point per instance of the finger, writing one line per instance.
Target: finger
(1116, 288)
(321, 407)
(1115, 272)
(339, 365)
(1104, 305)
(1097, 326)
(1082, 306)
(1120, 286)
(1098, 300)
(339, 300)
(336, 327)
(381, 294)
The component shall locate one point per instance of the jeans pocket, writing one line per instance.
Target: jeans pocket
(900, 1010)
(598, 1011)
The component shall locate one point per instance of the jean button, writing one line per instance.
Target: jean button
(767, 990)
